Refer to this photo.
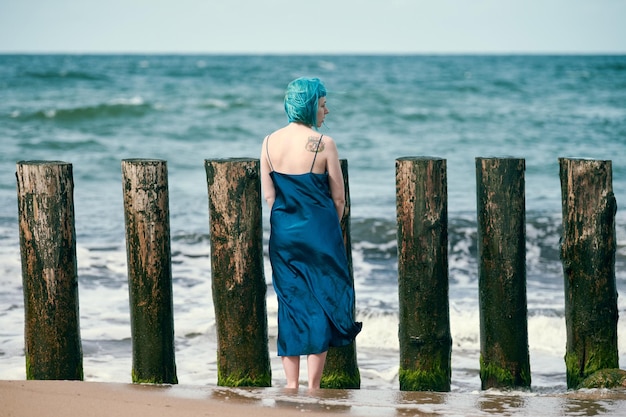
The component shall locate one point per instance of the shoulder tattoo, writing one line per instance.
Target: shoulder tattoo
(313, 144)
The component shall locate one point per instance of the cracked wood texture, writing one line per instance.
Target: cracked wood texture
(49, 271)
(502, 272)
(146, 213)
(237, 271)
(588, 249)
(422, 226)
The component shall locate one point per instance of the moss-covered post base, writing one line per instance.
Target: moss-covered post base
(504, 360)
(45, 196)
(430, 380)
(605, 378)
(588, 256)
(237, 272)
(503, 377)
(146, 213)
(422, 217)
(341, 370)
(248, 378)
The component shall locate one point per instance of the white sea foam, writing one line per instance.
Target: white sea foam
(216, 103)
(131, 101)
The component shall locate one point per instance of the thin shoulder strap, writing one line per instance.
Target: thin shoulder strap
(317, 148)
(267, 150)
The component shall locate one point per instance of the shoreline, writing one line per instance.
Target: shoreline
(99, 399)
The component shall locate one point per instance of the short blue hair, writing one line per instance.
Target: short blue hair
(301, 100)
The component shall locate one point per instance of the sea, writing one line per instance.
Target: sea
(94, 111)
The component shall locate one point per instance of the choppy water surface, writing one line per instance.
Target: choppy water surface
(94, 111)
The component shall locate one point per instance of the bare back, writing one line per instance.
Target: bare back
(296, 149)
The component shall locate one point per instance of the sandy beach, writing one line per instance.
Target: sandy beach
(95, 399)
(98, 399)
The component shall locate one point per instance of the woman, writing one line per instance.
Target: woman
(303, 186)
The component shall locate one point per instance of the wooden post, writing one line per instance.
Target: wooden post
(238, 282)
(588, 257)
(45, 194)
(146, 212)
(422, 216)
(504, 356)
(341, 370)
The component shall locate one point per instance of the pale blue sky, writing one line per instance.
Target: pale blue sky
(320, 26)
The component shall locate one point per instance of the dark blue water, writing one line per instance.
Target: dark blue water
(94, 111)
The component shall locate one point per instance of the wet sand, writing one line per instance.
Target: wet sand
(98, 399)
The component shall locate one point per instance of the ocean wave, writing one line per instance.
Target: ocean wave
(613, 66)
(507, 86)
(215, 103)
(377, 237)
(190, 238)
(225, 103)
(66, 75)
(117, 108)
(374, 248)
(412, 114)
(546, 328)
(62, 144)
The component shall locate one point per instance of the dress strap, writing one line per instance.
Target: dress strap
(317, 148)
(267, 150)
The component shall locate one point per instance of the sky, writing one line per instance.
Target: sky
(314, 27)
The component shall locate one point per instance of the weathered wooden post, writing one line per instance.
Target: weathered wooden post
(588, 256)
(422, 216)
(238, 282)
(341, 370)
(146, 212)
(45, 194)
(504, 357)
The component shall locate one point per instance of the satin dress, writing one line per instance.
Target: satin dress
(309, 266)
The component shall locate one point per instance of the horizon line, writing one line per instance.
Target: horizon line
(328, 53)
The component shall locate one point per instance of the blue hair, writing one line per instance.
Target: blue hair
(301, 100)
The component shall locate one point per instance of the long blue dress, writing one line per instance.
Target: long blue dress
(309, 267)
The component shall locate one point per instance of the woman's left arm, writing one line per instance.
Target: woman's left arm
(266, 181)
